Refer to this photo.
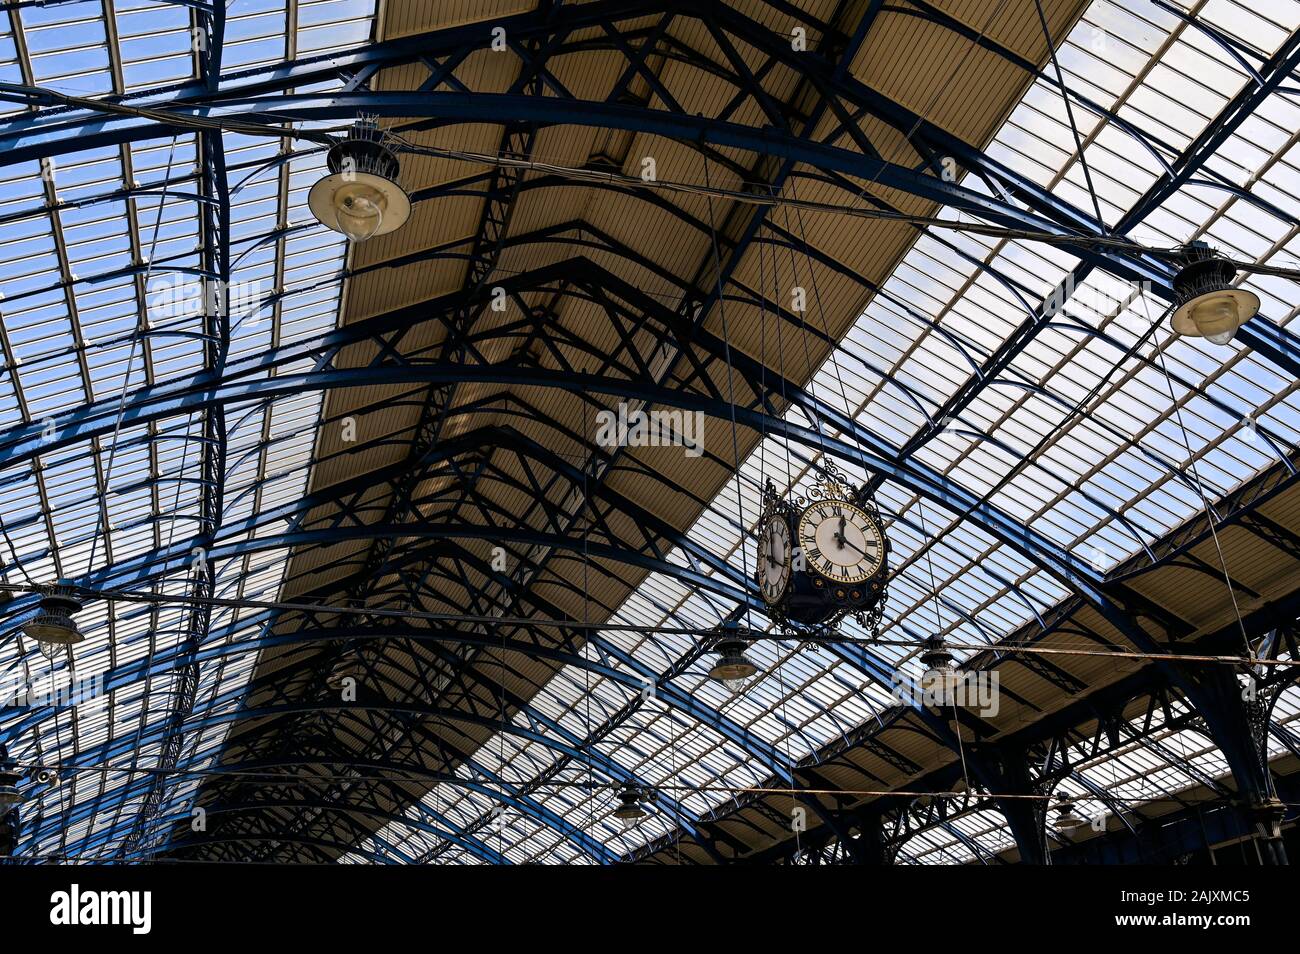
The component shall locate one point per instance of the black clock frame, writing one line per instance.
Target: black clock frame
(812, 601)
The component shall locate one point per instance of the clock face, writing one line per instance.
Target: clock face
(774, 554)
(840, 541)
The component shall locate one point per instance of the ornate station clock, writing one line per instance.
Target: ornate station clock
(822, 557)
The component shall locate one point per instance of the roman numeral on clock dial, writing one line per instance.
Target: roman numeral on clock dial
(842, 542)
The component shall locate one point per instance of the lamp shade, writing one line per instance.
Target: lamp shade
(53, 624)
(733, 668)
(360, 196)
(940, 675)
(1207, 304)
(629, 810)
(1067, 819)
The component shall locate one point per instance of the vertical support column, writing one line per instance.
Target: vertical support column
(9, 819)
(1013, 782)
(872, 848)
(1237, 720)
(9, 831)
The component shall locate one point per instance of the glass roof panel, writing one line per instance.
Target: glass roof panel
(1079, 437)
(101, 293)
(1101, 436)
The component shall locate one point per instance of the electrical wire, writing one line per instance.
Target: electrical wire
(34, 94)
(936, 223)
(752, 196)
(697, 631)
(281, 127)
(1200, 489)
(416, 775)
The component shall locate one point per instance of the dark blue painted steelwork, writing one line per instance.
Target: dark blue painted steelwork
(238, 385)
(258, 95)
(215, 259)
(255, 92)
(444, 831)
(1049, 212)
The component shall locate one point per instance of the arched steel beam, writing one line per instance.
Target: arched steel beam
(634, 675)
(219, 550)
(429, 821)
(323, 844)
(486, 442)
(536, 719)
(483, 782)
(505, 108)
(137, 569)
(912, 474)
(35, 133)
(155, 403)
(858, 656)
(495, 438)
(494, 788)
(566, 743)
(388, 331)
(464, 530)
(1052, 213)
(339, 66)
(346, 827)
(471, 844)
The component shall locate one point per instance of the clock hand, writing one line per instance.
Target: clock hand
(854, 546)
